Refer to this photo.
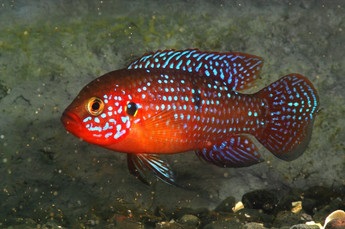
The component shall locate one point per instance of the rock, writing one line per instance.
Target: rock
(332, 206)
(336, 224)
(287, 199)
(224, 225)
(309, 205)
(253, 215)
(287, 218)
(129, 224)
(226, 205)
(315, 198)
(305, 226)
(190, 220)
(260, 199)
(167, 225)
(335, 220)
(253, 225)
(177, 214)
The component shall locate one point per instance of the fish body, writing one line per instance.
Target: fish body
(176, 101)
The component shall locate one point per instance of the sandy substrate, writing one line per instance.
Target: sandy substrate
(50, 49)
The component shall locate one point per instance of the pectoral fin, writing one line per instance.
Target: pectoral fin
(238, 151)
(140, 164)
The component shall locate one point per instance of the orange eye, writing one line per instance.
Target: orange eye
(95, 106)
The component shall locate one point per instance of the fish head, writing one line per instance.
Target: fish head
(102, 113)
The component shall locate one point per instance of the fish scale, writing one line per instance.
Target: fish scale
(175, 101)
(213, 115)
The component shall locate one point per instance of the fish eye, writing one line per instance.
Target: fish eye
(95, 106)
(132, 109)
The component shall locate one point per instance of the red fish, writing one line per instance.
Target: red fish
(177, 101)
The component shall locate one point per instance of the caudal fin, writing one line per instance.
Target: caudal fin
(292, 105)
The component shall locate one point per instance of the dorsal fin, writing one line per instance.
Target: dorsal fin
(238, 70)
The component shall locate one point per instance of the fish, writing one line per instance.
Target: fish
(176, 101)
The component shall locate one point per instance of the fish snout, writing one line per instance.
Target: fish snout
(70, 121)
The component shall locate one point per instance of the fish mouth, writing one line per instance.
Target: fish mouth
(70, 121)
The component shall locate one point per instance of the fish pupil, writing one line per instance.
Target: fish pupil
(95, 106)
(132, 109)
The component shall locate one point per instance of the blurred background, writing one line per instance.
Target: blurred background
(50, 49)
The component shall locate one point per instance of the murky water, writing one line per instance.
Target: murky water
(50, 49)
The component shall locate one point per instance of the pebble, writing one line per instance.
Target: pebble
(167, 225)
(253, 225)
(286, 218)
(333, 205)
(261, 199)
(224, 225)
(226, 205)
(254, 215)
(336, 224)
(292, 209)
(190, 220)
(304, 226)
(297, 209)
(316, 198)
(128, 224)
(335, 220)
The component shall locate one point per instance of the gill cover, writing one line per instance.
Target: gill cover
(109, 118)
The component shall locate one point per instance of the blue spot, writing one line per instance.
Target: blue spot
(147, 64)
(208, 56)
(87, 119)
(124, 119)
(201, 56)
(198, 67)
(179, 64)
(207, 72)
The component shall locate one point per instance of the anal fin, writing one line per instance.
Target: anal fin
(140, 164)
(238, 151)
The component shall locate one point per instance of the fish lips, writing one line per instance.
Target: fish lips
(71, 122)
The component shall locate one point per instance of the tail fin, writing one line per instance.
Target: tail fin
(292, 104)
